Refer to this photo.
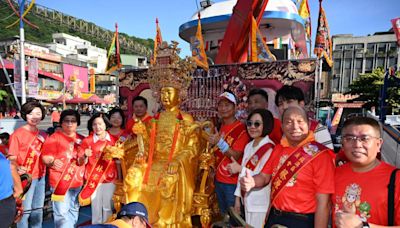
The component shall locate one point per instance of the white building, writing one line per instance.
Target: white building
(76, 48)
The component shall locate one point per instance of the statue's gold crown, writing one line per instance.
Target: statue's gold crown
(169, 70)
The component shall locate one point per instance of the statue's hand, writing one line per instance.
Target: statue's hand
(173, 167)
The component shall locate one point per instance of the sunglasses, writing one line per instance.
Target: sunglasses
(70, 121)
(256, 124)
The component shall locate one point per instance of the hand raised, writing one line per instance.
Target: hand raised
(247, 182)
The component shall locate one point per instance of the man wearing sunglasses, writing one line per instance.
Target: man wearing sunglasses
(361, 192)
(229, 143)
(301, 172)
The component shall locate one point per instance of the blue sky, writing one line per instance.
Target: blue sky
(134, 17)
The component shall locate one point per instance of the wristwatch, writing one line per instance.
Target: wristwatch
(365, 225)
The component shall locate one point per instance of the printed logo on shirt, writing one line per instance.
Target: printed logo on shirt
(351, 202)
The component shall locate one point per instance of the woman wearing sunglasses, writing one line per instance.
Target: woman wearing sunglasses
(256, 153)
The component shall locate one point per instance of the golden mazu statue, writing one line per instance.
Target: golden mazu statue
(161, 163)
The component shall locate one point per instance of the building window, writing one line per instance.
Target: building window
(358, 46)
(381, 47)
(368, 64)
(392, 61)
(348, 47)
(370, 48)
(358, 64)
(347, 63)
(336, 65)
(338, 47)
(380, 62)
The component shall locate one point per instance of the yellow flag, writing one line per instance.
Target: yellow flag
(197, 48)
(259, 49)
(304, 10)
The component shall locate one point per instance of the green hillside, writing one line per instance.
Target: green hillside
(47, 28)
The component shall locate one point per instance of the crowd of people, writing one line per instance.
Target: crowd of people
(272, 171)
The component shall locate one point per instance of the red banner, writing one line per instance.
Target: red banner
(396, 29)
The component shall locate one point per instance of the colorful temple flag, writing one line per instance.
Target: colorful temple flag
(259, 49)
(323, 41)
(113, 55)
(278, 43)
(396, 29)
(157, 42)
(304, 12)
(197, 48)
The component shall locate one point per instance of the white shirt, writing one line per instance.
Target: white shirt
(96, 138)
(257, 200)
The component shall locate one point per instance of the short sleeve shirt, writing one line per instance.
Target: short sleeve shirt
(299, 194)
(97, 147)
(222, 175)
(366, 194)
(66, 150)
(20, 141)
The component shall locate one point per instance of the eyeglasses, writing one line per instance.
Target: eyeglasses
(364, 139)
(256, 124)
(70, 121)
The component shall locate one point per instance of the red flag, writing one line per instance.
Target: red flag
(157, 43)
(323, 41)
(396, 29)
(113, 55)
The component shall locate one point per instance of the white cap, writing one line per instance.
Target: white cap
(229, 96)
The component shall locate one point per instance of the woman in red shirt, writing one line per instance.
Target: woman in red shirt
(25, 148)
(117, 120)
(100, 172)
(60, 154)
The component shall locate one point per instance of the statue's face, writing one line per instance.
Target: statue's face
(170, 97)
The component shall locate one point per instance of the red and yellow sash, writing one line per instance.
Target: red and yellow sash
(234, 134)
(255, 159)
(67, 176)
(294, 164)
(34, 152)
(95, 178)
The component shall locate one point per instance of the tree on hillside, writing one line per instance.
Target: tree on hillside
(368, 87)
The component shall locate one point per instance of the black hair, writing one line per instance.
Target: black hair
(95, 116)
(140, 98)
(363, 120)
(70, 112)
(29, 106)
(257, 91)
(5, 135)
(117, 110)
(267, 119)
(289, 93)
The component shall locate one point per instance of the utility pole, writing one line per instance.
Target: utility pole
(22, 49)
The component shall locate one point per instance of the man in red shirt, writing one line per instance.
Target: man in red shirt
(230, 142)
(55, 117)
(139, 113)
(361, 192)
(60, 154)
(258, 98)
(302, 173)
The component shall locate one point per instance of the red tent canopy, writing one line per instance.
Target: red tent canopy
(96, 99)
